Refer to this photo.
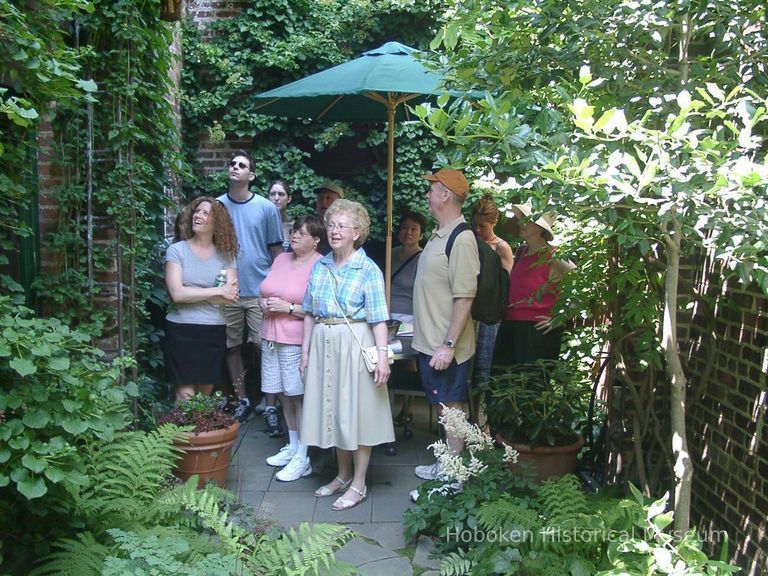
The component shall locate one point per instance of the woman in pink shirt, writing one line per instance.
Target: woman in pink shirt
(526, 334)
(282, 293)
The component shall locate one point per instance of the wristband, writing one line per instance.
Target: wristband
(382, 348)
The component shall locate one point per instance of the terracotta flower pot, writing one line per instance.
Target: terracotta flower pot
(208, 454)
(546, 461)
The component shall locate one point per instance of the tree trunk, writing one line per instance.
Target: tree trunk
(683, 466)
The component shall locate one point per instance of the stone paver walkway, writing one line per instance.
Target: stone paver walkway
(378, 548)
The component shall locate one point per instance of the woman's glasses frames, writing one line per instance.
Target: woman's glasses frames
(331, 226)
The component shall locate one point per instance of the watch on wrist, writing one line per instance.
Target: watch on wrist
(291, 308)
(449, 343)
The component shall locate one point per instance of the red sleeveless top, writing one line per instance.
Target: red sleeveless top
(530, 292)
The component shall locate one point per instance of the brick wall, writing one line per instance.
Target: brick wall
(204, 11)
(49, 178)
(727, 353)
(213, 156)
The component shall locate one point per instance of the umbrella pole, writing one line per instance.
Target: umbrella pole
(391, 104)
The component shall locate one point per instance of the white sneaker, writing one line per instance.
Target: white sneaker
(430, 472)
(297, 467)
(283, 457)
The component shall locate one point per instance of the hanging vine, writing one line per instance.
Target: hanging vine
(126, 154)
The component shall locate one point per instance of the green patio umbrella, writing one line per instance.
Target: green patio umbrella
(371, 88)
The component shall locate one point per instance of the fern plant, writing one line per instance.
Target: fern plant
(127, 476)
(136, 521)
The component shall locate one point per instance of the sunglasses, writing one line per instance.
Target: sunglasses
(241, 165)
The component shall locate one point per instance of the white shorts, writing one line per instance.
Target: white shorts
(280, 368)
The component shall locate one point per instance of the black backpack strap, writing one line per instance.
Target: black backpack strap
(452, 238)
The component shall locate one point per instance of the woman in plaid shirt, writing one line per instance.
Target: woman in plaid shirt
(345, 406)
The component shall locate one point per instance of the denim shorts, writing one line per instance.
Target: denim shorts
(449, 385)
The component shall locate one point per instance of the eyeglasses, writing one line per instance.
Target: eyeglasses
(300, 233)
(331, 226)
(241, 165)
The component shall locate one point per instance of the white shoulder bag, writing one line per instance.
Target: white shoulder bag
(371, 353)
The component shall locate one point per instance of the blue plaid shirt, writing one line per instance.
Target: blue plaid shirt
(359, 288)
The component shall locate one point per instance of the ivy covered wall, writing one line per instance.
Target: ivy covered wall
(233, 50)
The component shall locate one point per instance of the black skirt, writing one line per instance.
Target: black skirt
(194, 353)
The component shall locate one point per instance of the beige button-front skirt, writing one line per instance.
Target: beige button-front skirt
(343, 408)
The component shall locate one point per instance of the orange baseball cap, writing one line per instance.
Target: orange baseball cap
(454, 180)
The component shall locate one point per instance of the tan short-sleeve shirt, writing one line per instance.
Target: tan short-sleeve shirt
(438, 282)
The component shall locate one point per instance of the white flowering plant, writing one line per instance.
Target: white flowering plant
(476, 475)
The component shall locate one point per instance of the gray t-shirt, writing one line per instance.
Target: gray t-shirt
(200, 274)
(258, 226)
(401, 290)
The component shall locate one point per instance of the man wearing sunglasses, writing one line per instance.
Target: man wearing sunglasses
(260, 235)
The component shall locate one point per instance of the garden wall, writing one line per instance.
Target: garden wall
(203, 11)
(725, 346)
(727, 360)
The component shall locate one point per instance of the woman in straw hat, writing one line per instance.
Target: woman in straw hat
(526, 333)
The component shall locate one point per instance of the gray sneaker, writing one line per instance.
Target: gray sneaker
(261, 406)
(243, 410)
(272, 421)
(431, 472)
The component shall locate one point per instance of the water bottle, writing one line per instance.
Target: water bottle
(221, 279)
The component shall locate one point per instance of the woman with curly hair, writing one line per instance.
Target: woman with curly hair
(195, 330)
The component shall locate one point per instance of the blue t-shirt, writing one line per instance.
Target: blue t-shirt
(258, 226)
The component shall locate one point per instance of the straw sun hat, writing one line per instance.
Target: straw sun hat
(544, 221)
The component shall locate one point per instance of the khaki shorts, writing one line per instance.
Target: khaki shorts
(244, 311)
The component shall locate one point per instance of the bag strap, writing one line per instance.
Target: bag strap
(404, 264)
(346, 320)
(452, 238)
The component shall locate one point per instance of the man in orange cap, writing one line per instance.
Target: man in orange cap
(443, 292)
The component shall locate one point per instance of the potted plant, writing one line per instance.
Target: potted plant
(207, 448)
(537, 409)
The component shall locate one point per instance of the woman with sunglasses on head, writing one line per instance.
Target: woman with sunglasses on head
(195, 325)
(282, 295)
(346, 406)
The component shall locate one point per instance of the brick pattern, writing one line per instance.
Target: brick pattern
(49, 178)
(213, 156)
(727, 352)
(205, 11)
